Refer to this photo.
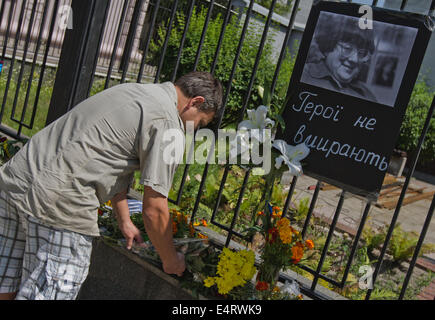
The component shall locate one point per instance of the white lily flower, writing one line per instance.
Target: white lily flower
(257, 119)
(291, 156)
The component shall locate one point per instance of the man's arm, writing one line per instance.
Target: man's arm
(128, 229)
(158, 226)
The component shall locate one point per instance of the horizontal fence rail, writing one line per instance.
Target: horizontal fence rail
(133, 47)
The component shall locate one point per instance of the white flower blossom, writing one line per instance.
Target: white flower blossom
(257, 119)
(291, 156)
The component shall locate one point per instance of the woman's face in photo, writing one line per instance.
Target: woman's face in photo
(344, 62)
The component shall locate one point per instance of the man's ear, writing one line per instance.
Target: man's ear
(197, 101)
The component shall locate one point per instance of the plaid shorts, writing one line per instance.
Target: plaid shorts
(37, 261)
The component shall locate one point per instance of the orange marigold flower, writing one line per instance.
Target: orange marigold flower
(261, 213)
(262, 286)
(179, 217)
(309, 244)
(284, 223)
(300, 297)
(191, 229)
(174, 227)
(204, 222)
(276, 289)
(202, 236)
(297, 253)
(272, 234)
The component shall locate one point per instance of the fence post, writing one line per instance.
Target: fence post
(79, 55)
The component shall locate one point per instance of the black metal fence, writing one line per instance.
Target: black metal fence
(84, 48)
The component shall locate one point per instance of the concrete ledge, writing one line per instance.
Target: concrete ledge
(116, 274)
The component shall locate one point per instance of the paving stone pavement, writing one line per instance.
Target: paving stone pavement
(411, 216)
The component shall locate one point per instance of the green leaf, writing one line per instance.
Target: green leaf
(281, 121)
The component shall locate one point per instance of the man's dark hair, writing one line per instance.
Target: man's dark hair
(346, 30)
(205, 85)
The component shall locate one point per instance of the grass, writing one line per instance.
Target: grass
(44, 98)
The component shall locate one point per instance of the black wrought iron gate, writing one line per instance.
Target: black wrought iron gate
(112, 40)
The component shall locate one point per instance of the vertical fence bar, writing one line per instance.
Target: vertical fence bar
(11, 65)
(32, 71)
(289, 196)
(403, 5)
(116, 44)
(328, 241)
(100, 40)
(148, 40)
(355, 243)
(125, 60)
(402, 195)
(284, 46)
(221, 36)
(8, 29)
(219, 197)
(2, 11)
(6, 39)
(311, 209)
(257, 60)
(44, 62)
(183, 38)
(237, 209)
(23, 65)
(165, 44)
(417, 248)
(204, 32)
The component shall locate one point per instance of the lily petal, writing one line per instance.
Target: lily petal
(246, 125)
(281, 145)
(278, 162)
(261, 115)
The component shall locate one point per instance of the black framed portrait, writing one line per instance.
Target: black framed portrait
(349, 91)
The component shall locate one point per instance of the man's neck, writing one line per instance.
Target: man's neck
(182, 100)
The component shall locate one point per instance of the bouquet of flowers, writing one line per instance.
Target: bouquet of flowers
(234, 269)
(283, 247)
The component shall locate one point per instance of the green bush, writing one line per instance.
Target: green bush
(226, 57)
(280, 8)
(413, 123)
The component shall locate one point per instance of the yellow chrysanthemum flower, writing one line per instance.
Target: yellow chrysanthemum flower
(209, 282)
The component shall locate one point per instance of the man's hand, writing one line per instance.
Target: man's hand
(130, 232)
(128, 229)
(175, 267)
